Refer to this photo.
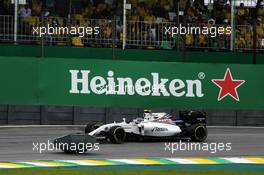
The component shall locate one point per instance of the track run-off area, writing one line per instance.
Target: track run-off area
(225, 145)
(17, 144)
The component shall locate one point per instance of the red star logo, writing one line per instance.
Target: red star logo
(228, 86)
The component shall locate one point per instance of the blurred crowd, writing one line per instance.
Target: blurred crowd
(148, 13)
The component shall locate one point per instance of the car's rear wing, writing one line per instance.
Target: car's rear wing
(193, 117)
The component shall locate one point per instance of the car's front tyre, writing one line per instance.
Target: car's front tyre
(117, 134)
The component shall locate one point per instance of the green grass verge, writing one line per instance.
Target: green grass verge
(61, 171)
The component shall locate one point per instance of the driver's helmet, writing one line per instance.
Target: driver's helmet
(147, 111)
(147, 114)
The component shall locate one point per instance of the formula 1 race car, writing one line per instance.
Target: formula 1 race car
(189, 124)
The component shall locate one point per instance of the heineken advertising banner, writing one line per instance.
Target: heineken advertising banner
(51, 81)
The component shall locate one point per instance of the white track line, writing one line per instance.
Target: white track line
(182, 161)
(133, 162)
(38, 164)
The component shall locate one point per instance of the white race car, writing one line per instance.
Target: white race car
(189, 124)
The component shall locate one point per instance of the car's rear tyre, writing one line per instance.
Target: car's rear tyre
(198, 132)
(117, 135)
(91, 126)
